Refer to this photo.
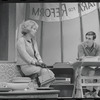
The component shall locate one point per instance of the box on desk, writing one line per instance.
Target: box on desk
(62, 80)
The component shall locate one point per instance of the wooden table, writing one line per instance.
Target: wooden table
(29, 94)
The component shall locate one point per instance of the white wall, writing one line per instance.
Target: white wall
(20, 14)
(91, 23)
(51, 51)
(51, 43)
(71, 32)
(71, 37)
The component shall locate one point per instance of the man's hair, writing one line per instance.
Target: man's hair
(92, 34)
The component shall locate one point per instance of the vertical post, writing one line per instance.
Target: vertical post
(41, 36)
(98, 10)
(61, 32)
(81, 26)
(27, 10)
(41, 40)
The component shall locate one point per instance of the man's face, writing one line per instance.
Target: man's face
(89, 40)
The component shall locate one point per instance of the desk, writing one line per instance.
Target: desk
(64, 82)
(29, 94)
(80, 80)
(80, 63)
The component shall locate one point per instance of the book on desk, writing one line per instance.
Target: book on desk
(87, 61)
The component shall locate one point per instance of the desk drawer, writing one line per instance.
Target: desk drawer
(65, 90)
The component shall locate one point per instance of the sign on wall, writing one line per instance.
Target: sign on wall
(51, 11)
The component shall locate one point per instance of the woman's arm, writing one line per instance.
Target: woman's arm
(37, 52)
(23, 53)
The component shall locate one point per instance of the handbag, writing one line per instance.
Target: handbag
(46, 78)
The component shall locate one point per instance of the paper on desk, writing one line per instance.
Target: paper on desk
(91, 59)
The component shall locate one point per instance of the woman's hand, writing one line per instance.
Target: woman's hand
(42, 65)
(37, 64)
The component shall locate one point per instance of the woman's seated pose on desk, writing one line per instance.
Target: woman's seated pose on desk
(28, 56)
(89, 48)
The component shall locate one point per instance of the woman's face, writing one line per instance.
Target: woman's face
(33, 30)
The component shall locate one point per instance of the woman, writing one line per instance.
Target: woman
(28, 56)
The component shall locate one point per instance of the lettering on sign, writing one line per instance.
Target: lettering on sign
(52, 11)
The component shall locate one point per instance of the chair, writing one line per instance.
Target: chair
(33, 76)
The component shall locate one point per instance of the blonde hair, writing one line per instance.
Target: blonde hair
(27, 26)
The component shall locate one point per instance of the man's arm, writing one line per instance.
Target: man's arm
(98, 51)
(80, 51)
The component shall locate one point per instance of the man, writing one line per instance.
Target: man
(89, 48)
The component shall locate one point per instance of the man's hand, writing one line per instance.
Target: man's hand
(98, 58)
(80, 58)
